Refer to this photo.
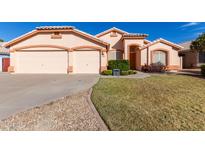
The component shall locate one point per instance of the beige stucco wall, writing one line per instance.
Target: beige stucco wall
(116, 46)
(68, 40)
(144, 56)
(12, 59)
(190, 59)
(104, 60)
(115, 42)
(174, 59)
(128, 42)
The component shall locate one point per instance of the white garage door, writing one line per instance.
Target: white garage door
(41, 62)
(86, 62)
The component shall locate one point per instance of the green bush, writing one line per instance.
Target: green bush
(107, 72)
(123, 65)
(124, 73)
(203, 70)
(132, 72)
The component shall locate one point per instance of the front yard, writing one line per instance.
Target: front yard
(160, 102)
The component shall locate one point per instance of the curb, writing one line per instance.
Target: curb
(102, 124)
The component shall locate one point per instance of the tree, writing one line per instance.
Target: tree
(1, 40)
(198, 45)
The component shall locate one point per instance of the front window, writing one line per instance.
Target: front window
(159, 57)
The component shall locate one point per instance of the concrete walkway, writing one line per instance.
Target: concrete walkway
(19, 92)
(194, 72)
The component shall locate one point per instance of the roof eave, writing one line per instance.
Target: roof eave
(163, 41)
(111, 29)
(29, 34)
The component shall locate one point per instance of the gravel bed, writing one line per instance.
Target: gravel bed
(69, 113)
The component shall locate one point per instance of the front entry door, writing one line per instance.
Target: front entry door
(133, 60)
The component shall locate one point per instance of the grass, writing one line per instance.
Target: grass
(160, 102)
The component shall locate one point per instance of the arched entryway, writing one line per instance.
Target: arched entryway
(134, 57)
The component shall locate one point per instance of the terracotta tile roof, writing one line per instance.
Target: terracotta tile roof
(110, 30)
(3, 50)
(135, 35)
(67, 28)
(147, 41)
(163, 41)
(54, 27)
(186, 45)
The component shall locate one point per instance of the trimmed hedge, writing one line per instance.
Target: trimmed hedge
(203, 70)
(123, 65)
(107, 72)
(132, 72)
(124, 73)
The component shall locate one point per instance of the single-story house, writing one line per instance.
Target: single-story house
(4, 57)
(65, 49)
(190, 58)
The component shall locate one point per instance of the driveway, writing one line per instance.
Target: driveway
(19, 92)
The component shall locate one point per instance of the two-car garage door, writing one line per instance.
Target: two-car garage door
(57, 62)
(41, 62)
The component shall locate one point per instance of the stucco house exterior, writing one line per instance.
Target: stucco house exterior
(65, 49)
(191, 59)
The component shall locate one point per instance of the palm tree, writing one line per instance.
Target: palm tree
(1, 40)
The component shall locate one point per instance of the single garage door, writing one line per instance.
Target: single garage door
(86, 62)
(41, 62)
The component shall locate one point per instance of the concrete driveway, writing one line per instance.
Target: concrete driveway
(19, 92)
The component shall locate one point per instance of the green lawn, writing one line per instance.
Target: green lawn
(160, 102)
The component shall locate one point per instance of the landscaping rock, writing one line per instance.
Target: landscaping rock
(69, 113)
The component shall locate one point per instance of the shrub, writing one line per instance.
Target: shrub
(124, 73)
(154, 67)
(123, 65)
(203, 70)
(146, 68)
(132, 72)
(157, 67)
(107, 72)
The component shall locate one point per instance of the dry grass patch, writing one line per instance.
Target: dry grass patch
(161, 102)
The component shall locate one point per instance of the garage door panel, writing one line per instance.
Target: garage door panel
(41, 62)
(86, 62)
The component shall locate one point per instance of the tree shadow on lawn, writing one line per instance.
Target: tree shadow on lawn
(199, 76)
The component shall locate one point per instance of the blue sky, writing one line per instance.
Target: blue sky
(172, 31)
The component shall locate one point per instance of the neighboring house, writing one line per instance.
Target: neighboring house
(4, 53)
(191, 59)
(65, 49)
